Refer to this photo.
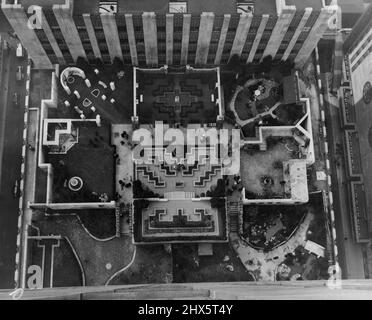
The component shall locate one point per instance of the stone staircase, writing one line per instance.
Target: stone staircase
(189, 195)
(127, 212)
(235, 209)
(179, 195)
(117, 220)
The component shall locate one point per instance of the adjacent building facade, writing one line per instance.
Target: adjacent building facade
(175, 33)
(356, 99)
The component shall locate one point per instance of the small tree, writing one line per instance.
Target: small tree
(217, 202)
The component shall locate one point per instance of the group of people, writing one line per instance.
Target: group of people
(123, 184)
(126, 139)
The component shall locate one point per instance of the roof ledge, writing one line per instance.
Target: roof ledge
(283, 7)
(68, 5)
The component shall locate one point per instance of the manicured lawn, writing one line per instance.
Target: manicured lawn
(244, 109)
(151, 265)
(94, 255)
(99, 222)
(66, 271)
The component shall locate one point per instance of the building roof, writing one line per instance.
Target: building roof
(364, 23)
(162, 6)
(193, 6)
(351, 11)
(314, 248)
(205, 249)
(4, 24)
(298, 180)
(302, 4)
(290, 89)
(352, 6)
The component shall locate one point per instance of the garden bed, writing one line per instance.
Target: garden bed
(265, 227)
(303, 265)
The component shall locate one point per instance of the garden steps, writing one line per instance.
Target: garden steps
(234, 208)
(179, 195)
(117, 221)
(125, 231)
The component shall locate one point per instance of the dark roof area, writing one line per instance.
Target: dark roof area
(4, 24)
(219, 7)
(351, 11)
(302, 4)
(42, 3)
(352, 6)
(363, 23)
(350, 19)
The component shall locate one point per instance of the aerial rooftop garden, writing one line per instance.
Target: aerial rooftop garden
(86, 172)
(85, 91)
(262, 170)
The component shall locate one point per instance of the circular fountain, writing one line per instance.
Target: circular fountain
(75, 184)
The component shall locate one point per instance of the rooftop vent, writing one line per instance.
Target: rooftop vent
(108, 7)
(178, 7)
(245, 7)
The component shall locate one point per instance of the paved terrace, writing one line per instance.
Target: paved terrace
(256, 164)
(158, 94)
(180, 220)
(163, 178)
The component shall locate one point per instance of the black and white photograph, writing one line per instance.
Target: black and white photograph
(193, 153)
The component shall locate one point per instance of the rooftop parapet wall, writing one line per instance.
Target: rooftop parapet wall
(45, 105)
(282, 6)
